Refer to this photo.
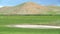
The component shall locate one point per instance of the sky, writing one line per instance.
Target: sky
(16, 2)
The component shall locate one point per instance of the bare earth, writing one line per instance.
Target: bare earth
(33, 26)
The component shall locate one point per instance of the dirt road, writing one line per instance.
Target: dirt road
(33, 26)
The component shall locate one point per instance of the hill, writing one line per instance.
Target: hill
(30, 8)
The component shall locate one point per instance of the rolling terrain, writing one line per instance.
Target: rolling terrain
(30, 8)
(8, 17)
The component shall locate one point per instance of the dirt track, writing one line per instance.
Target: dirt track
(33, 26)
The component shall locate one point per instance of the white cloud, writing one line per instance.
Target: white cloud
(1, 6)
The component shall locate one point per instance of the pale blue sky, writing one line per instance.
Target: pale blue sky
(16, 2)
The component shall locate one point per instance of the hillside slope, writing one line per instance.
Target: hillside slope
(29, 8)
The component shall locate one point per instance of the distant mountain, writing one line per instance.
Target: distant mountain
(28, 8)
(6, 10)
(54, 9)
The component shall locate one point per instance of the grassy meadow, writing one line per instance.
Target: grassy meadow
(5, 30)
(51, 20)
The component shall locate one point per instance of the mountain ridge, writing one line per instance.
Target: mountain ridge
(26, 8)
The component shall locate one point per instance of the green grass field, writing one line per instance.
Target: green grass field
(30, 20)
(5, 30)
(52, 20)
